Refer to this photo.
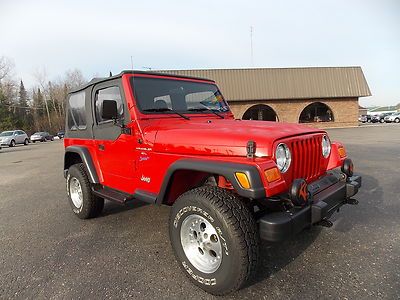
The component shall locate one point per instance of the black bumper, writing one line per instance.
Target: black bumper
(327, 195)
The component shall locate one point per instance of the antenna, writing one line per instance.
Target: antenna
(131, 63)
(110, 74)
(251, 46)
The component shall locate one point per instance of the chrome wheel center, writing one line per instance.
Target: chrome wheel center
(75, 191)
(201, 244)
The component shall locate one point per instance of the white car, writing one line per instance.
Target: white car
(14, 137)
(393, 118)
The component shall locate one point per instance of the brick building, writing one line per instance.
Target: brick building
(321, 97)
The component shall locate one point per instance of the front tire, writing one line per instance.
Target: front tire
(215, 239)
(12, 143)
(397, 120)
(83, 203)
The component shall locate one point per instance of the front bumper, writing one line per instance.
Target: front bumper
(5, 143)
(327, 195)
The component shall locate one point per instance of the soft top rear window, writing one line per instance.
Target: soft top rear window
(77, 112)
(161, 94)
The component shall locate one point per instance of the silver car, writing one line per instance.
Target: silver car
(11, 138)
(393, 118)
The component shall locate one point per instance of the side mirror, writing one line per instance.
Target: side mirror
(109, 110)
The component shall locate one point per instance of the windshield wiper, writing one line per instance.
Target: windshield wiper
(206, 109)
(166, 109)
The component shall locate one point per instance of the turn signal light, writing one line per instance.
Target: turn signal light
(243, 180)
(342, 152)
(272, 174)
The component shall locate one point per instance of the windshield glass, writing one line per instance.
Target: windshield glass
(7, 133)
(154, 95)
(37, 133)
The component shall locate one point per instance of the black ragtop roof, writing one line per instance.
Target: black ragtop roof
(102, 79)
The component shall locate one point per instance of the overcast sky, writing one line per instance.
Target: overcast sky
(101, 36)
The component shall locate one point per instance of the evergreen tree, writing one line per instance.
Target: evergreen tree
(22, 96)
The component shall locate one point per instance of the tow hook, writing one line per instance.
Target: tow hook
(352, 201)
(325, 223)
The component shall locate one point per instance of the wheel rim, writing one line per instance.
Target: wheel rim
(201, 244)
(75, 191)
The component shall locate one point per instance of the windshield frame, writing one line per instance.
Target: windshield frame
(146, 114)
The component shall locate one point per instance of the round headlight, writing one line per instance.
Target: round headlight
(283, 157)
(326, 146)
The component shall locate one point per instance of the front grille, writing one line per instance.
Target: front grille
(307, 158)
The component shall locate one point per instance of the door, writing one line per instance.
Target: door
(115, 148)
(20, 138)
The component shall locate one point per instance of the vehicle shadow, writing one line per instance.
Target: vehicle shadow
(111, 208)
(369, 209)
(275, 256)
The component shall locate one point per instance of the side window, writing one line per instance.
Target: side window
(111, 93)
(77, 112)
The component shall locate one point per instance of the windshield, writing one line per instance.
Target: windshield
(38, 133)
(154, 95)
(7, 133)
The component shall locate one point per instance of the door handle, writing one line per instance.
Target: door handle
(101, 147)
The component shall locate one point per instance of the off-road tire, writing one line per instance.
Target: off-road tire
(92, 205)
(234, 224)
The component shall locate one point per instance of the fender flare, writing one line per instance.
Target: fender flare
(86, 158)
(226, 169)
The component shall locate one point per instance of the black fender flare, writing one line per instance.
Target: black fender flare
(87, 160)
(226, 169)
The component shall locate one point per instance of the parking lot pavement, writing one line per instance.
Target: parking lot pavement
(47, 252)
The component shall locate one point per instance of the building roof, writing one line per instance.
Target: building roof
(285, 83)
(383, 108)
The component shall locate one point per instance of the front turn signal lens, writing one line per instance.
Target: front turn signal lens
(342, 152)
(272, 174)
(243, 180)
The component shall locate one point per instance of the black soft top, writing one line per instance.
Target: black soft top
(102, 79)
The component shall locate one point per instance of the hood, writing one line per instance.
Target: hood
(220, 137)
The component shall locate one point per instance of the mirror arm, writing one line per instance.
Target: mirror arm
(120, 123)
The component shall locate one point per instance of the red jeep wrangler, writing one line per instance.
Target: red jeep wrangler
(172, 140)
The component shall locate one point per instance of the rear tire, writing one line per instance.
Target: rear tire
(397, 120)
(83, 203)
(26, 142)
(215, 239)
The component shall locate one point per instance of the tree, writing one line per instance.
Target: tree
(22, 96)
(6, 67)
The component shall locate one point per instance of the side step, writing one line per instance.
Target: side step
(121, 197)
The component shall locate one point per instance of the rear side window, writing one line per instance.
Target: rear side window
(111, 93)
(77, 112)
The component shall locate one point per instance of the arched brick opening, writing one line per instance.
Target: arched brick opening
(316, 112)
(260, 112)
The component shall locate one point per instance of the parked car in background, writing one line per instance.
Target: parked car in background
(13, 137)
(41, 137)
(61, 134)
(376, 119)
(393, 118)
(363, 119)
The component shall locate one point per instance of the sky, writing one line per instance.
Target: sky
(101, 36)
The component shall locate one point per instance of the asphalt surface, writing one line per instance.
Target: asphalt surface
(47, 252)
